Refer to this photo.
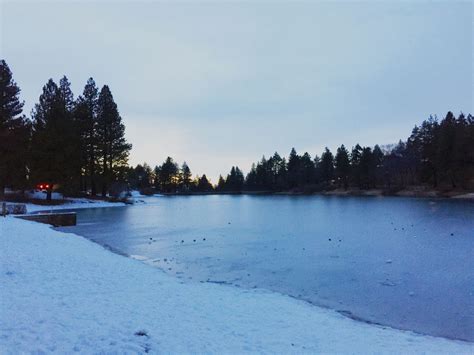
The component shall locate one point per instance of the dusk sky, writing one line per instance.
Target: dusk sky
(223, 83)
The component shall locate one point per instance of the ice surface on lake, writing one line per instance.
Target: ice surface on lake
(407, 263)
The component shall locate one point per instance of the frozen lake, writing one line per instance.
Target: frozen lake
(403, 262)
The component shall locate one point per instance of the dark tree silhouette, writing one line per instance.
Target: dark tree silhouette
(14, 133)
(327, 166)
(185, 178)
(169, 176)
(113, 149)
(55, 145)
(204, 185)
(342, 166)
(85, 115)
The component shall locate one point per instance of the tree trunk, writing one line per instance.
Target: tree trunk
(93, 187)
(2, 192)
(92, 176)
(49, 192)
(104, 177)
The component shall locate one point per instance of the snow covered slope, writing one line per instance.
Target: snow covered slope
(60, 292)
(73, 203)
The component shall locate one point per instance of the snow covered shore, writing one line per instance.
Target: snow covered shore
(74, 203)
(61, 292)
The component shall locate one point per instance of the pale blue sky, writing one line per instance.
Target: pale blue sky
(222, 83)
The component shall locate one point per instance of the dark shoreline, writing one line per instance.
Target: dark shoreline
(464, 195)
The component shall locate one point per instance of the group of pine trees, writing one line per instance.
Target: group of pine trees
(77, 145)
(437, 154)
(167, 178)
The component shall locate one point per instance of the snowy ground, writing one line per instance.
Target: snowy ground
(73, 203)
(60, 292)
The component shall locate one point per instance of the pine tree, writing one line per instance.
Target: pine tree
(378, 161)
(367, 168)
(446, 148)
(327, 165)
(112, 147)
(294, 169)
(356, 155)
(157, 178)
(204, 184)
(14, 133)
(342, 165)
(55, 148)
(66, 93)
(168, 176)
(85, 115)
(235, 180)
(185, 177)
(308, 170)
(278, 173)
(220, 184)
(250, 179)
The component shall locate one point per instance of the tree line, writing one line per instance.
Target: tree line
(439, 154)
(170, 177)
(74, 144)
(78, 144)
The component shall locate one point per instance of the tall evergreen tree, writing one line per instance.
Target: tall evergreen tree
(204, 184)
(294, 169)
(14, 133)
(168, 176)
(327, 165)
(235, 180)
(157, 177)
(85, 114)
(66, 93)
(55, 153)
(112, 146)
(250, 179)
(356, 155)
(278, 172)
(185, 177)
(308, 170)
(342, 166)
(220, 184)
(446, 149)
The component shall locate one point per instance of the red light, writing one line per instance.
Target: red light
(41, 187)
(46, 186)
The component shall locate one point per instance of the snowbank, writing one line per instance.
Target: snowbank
(73, 203)
(60, 292)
